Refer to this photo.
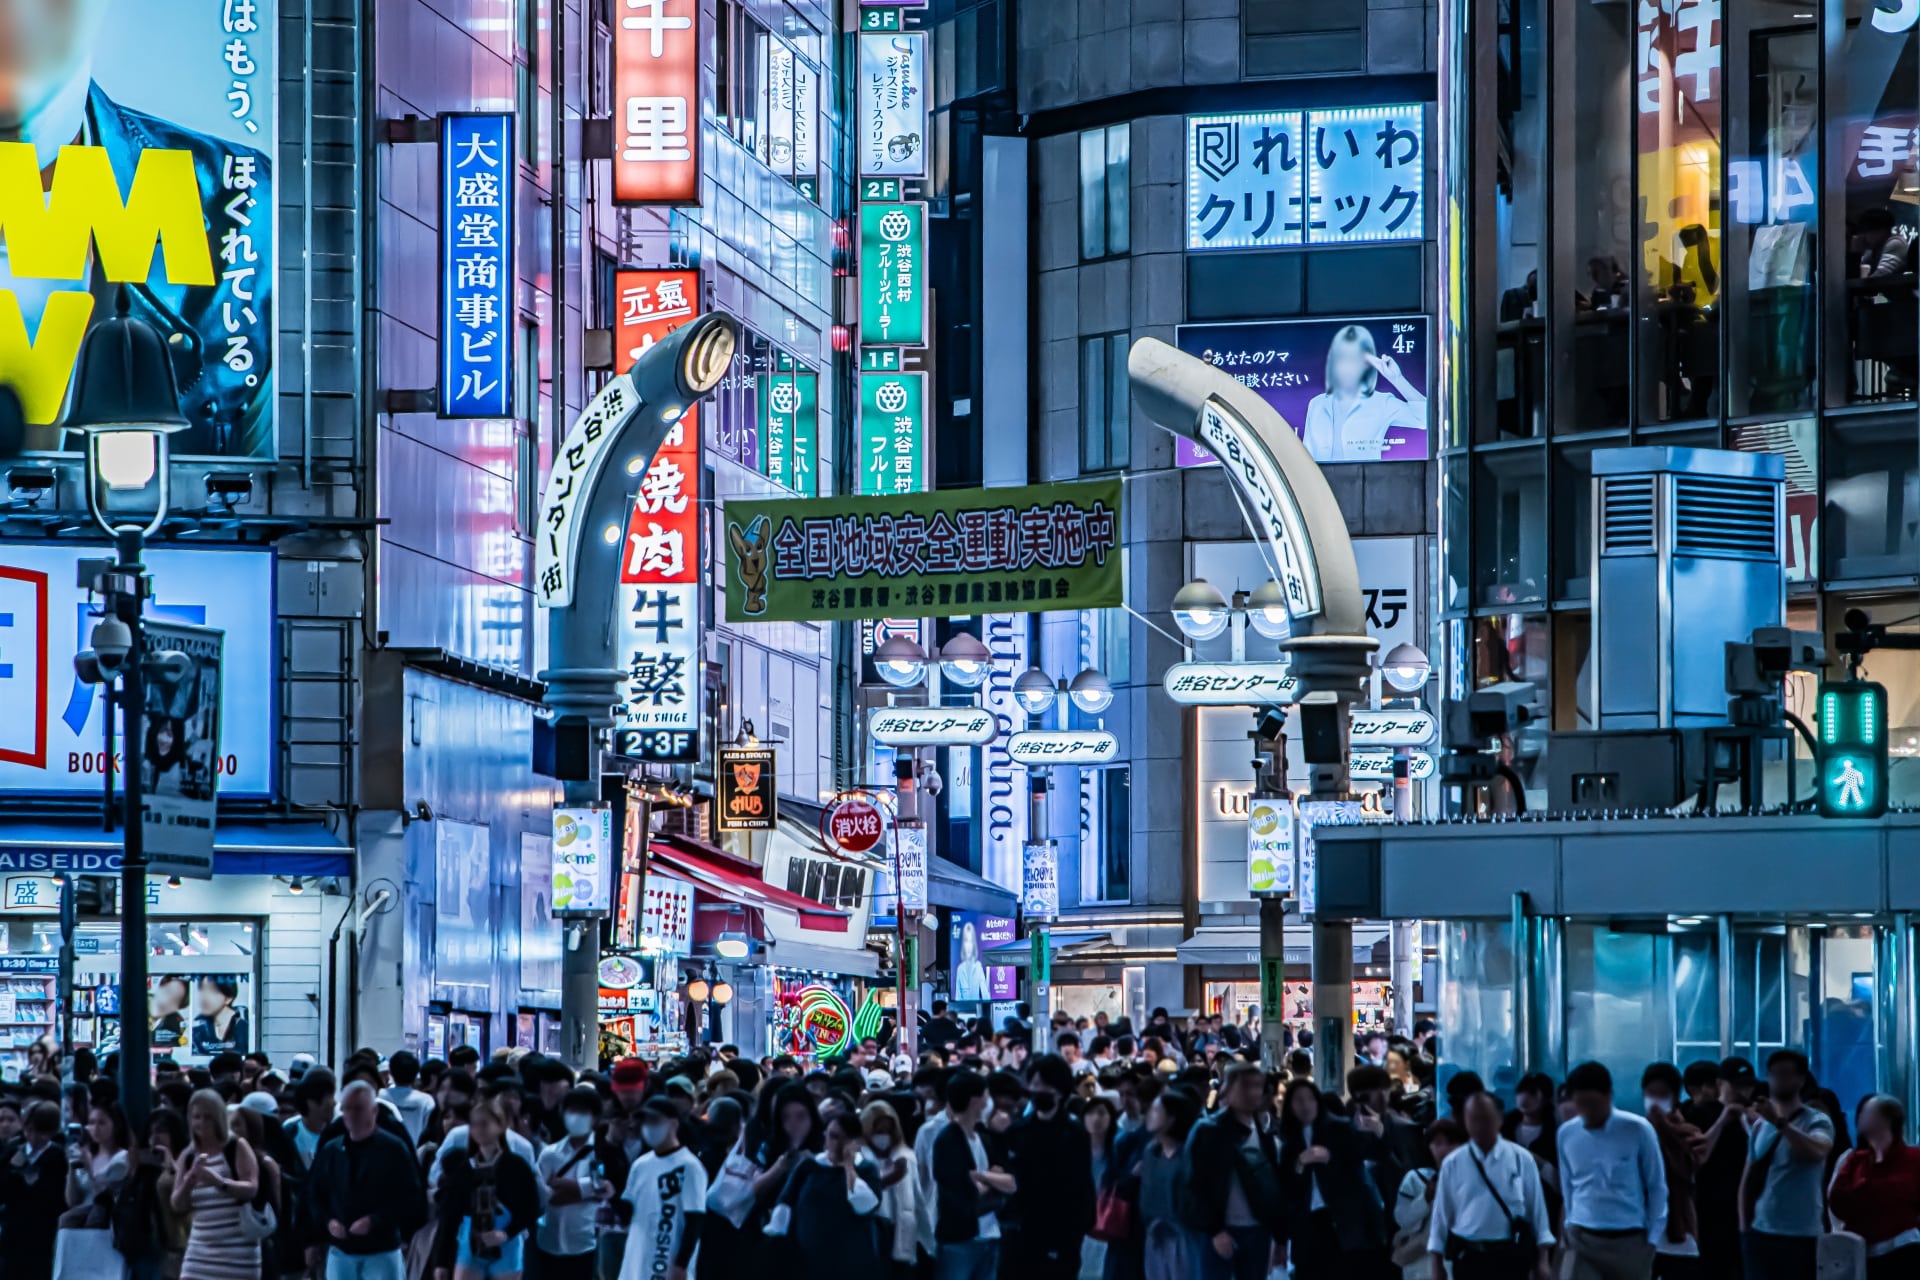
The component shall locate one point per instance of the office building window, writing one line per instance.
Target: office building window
(1105, 848)
(1104, 402)
(1105, 167)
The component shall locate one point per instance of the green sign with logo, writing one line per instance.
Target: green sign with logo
(893, 431)
(893, 255)
(956, 551)
(790, 426)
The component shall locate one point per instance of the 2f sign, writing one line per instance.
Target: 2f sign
(1897, 19)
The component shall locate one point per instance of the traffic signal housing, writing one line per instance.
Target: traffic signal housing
(1853, 749)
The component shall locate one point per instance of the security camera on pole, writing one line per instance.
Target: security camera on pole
(1286, 499)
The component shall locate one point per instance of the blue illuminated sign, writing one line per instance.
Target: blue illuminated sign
(477, 167)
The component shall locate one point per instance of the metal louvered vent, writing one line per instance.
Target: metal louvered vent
(1626, 515)
(1724, 517)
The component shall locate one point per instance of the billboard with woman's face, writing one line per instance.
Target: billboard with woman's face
(1354, 390)
(974, 981)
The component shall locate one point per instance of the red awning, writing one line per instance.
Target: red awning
(738, 880)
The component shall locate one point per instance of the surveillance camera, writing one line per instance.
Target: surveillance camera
(112, 641)
(86, 665)
(1492, 712)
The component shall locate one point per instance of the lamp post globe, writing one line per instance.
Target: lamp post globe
(1034, 691)
(1200, 611)
(1406, 667)
(900, 662)
(1091, 692)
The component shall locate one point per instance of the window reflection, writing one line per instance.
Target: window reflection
(1876, 135)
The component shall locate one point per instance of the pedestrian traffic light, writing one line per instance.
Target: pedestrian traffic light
(1853, 749)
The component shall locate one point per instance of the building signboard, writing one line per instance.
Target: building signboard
(479, 323)
(583, 860)
(1269, 845)
(893, 254)
(656, 102)
(745, 789)
(891, 130)
(893, 428)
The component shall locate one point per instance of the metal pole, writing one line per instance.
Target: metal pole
(1040, 931)
(1523, 1056)
(1273, 982)
(906, 925)
(1332, 962)
(136, 1069)
(580, 962)
(68, 923)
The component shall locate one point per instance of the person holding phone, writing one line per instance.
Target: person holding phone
(214, 1176)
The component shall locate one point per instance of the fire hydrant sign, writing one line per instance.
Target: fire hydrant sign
(853, 825)
(746, 786)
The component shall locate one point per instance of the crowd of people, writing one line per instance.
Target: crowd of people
(1057, 1151)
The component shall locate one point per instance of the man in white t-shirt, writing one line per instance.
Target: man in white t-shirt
(667, 1191)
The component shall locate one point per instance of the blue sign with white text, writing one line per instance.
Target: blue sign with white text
(477, 167)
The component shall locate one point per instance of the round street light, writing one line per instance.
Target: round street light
(1267, 611)
(1406, 668)
(900, 662)
(964, 661)
(1200, 610)
(1034, 691)
(698, 990)
(722, 992)
(1091, 692)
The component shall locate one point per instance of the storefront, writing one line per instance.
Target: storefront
(236, 963)
(1228, 960)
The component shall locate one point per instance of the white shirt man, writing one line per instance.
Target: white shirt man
(1481, 1212)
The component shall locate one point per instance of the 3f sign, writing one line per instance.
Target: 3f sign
(1897, 19)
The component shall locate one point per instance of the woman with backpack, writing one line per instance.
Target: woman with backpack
(217, 1178)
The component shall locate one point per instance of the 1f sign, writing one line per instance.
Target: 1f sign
(656, 95)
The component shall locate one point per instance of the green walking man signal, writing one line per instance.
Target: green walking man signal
(1853, 749)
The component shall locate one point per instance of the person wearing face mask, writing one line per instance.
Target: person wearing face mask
(827, 1209)
(1052, 1161)
(665, 1200)
(1677, 1251)
(581, 1172)
(897, 1177)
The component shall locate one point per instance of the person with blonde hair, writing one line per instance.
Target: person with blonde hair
(215, 1177)
(898, 1173)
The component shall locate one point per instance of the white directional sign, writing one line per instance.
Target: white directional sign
(1376, 765)
(1040, 748)
(931, 726)
(1231, 684)
(1392, 729)
(1276, 511)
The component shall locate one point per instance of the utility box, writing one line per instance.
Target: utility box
(1686, 557)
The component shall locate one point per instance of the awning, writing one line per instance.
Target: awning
(1240, 945)
(951, 885)
(738, 880)
(252, 847)
(853, 962)
(1065, 946)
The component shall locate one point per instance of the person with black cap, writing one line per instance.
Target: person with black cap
(580, 1171)
(1716, 1183)
(1052, 1161)
(665, 1200)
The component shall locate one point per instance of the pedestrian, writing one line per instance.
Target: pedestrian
(665, 1199)
(152, 1233)
(1787, 1149)
(97, 1166)
(214, 1178)
(898, 1176)
(1876, 1191)
(827, 1209)
(1164, 1246)
(1413, 1202)
(580, 1175)
(1681, 1147)
(33, 1194)
(1401, 1143)
(414, 1105)
(1717, 1183)
(1489, 1216)
(268, 1203)
(488, 1201)
(364, 1193)
(1235, 1179)
(1614, 1182)
(1334, 1217)
(1051, 1160)
(967, 1187)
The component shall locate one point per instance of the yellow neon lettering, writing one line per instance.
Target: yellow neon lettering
(47, 234)
(40, 370)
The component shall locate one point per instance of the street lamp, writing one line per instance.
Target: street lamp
(1200, 611)
(900, 662)
(1406, 667)
(964, 661)
(1033, 689)
(1091, 692)
(1267, 611)
(126, 403)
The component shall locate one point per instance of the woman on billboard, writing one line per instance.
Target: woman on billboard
(969, 974)
(1349, 421)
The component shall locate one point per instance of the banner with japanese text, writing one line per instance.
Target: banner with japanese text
(956, 551)
(140, 152)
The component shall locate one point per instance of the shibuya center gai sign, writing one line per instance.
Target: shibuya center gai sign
(1348, 175)
(1011, 550)
(140, 126)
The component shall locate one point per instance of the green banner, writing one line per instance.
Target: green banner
(790, 427)
(893, 430)
(893, 254)
(953, 552)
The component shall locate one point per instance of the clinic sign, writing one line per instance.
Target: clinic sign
(893, 250)
(1347, 175)
(477, 316)
(52, 725)
(893, 418)
(656, 102)
(1025, 549)
(891, 129)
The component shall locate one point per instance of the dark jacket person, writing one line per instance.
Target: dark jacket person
(1337, 1221)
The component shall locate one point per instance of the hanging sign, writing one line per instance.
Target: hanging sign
(583, 859)
(852, 824)
(893, 303)
(932, 726)
(1376, 765)
(911, 838)
(181, 766)
(478, 321)
(892, 126)
(893, 418)
(1039, 880)
(1231, 684)
(1269, 845)
(789, 425)
(1043, 748)
(656, 102)
(1393, 728)
(744, 783)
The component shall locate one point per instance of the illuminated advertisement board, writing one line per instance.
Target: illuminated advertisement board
(656, 102)
(143, 155)
(478, 321)
(975, 981)
(790, 425)
(1348, 175)
(893, 303)
(1355, 390)
(893, 423)
(892, 126)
